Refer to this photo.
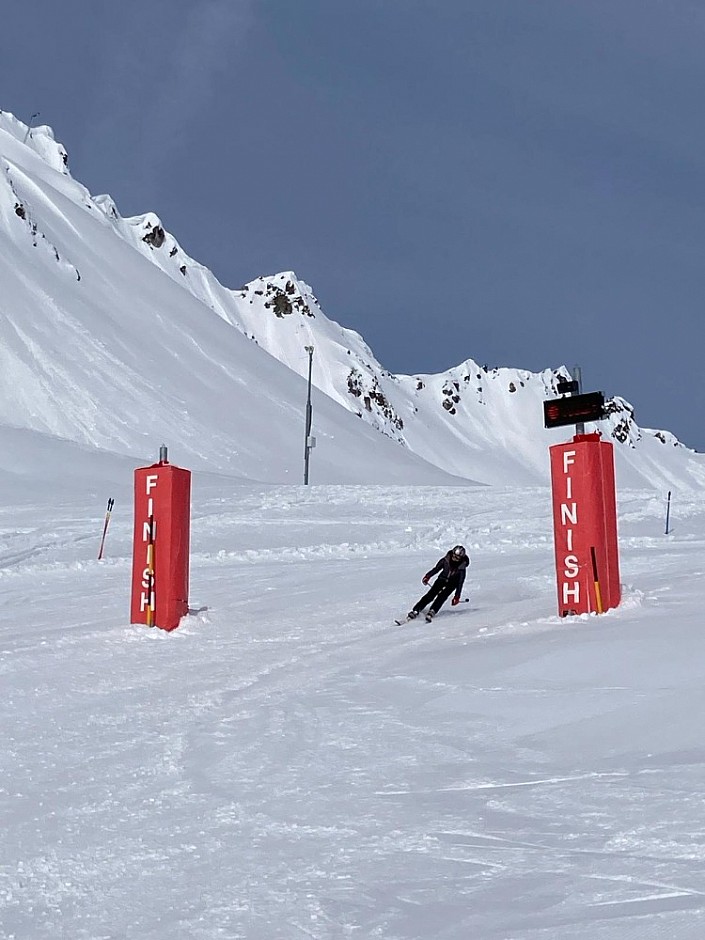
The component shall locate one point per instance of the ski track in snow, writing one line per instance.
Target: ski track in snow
(288, 763)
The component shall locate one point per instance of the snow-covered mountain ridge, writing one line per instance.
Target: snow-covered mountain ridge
(100, 347)
(471, 421)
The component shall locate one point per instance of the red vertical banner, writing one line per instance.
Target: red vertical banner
(585, 525)
(160, 553)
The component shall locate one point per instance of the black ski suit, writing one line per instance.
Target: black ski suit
(451, 578)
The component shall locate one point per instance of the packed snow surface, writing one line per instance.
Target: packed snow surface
(288, 763)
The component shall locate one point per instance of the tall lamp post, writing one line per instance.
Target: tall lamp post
(309, 442)
(29, 126)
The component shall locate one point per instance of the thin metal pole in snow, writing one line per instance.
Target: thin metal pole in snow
(668, 511)
(111, 503)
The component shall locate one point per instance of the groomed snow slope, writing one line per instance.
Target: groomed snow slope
(289, 764)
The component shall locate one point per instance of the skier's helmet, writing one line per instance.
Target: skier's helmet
(457, 552)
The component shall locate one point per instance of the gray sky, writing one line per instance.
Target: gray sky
(517, 182)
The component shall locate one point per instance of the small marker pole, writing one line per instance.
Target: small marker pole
(151, 602)
(598, 592)
(111, 503)
(668, 511)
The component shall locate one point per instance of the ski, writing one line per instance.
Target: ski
(402, 620)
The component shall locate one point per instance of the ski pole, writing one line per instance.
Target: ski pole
(111, 503)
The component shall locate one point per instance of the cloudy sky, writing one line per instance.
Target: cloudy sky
(520, 183)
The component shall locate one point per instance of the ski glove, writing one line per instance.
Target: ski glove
(456, 600)
(425, 579)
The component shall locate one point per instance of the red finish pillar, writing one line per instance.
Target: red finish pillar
(160, 554)
(585, 525)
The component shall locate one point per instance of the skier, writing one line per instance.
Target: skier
(452, 568)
